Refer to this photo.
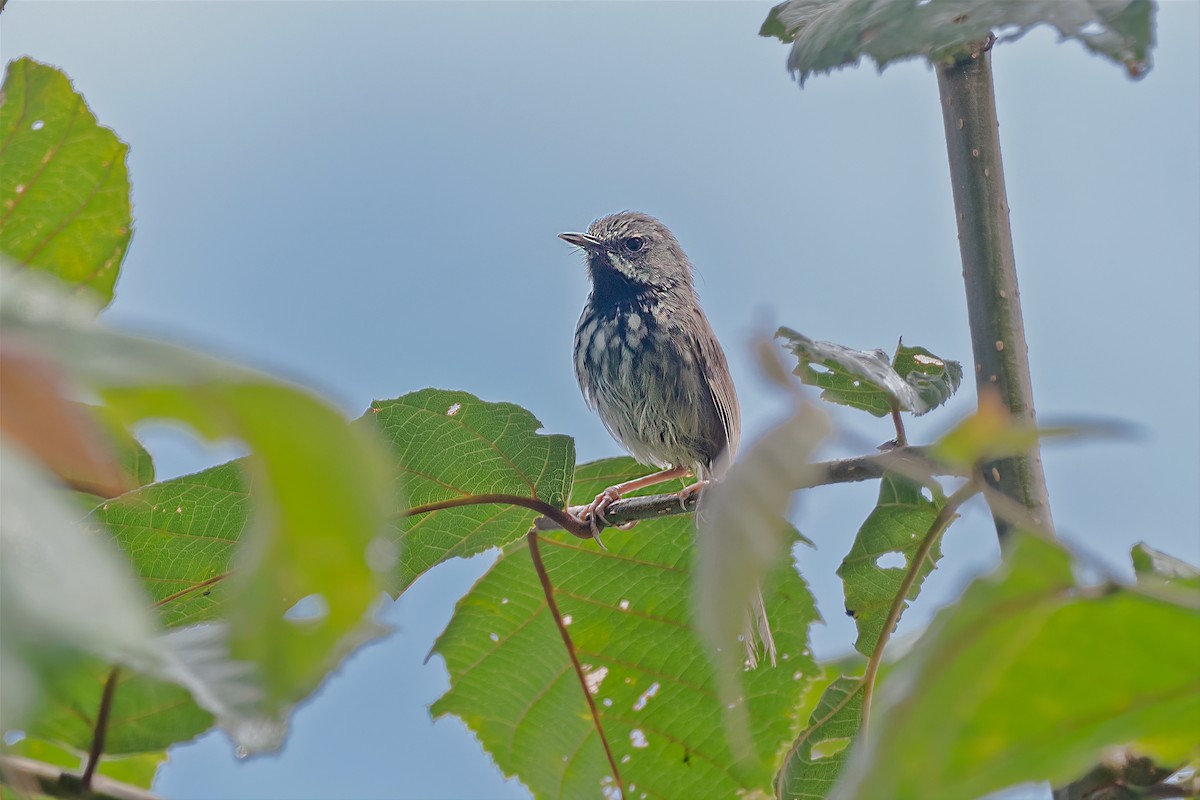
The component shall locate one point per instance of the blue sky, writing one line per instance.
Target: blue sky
(365, 197)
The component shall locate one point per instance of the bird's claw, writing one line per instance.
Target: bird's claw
(594, 514)
(685, 494)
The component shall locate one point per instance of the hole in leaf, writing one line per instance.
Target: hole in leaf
(638, 739)
(820, 369)
(1093, 28)
(645, 696)
(453, 409)
(38, 124)
(495, 637)
(890, 560)
(313, 607)
(829, 747)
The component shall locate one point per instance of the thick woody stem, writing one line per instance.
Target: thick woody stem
(989, 267)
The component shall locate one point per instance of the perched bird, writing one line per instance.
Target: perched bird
(647, 360)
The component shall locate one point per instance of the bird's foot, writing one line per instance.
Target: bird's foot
(594, 513)
(686, 493)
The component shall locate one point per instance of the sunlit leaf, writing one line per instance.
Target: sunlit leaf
(828, 34)
(630, 621)
(64, 189)
(1031, 678)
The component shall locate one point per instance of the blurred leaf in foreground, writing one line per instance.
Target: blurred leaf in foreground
(1083, 669)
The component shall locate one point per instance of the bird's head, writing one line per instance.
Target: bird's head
(636, 247)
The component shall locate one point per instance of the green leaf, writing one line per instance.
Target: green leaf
(897, 525)
(64, 189)
(815, 760)
(135, 770)
(452, 445)
(318, 487)
(1154, 565)
(61, 591)
(934, 379)
(865, 379)
(147, 714)
(828, 34)
(180, 536)
(631, 626)
(1031, 678)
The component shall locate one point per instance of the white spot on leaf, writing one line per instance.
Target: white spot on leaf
(38, 125)
(453, 409)
(595, 678)
(495, 637)
(623, 605)
(638, 739)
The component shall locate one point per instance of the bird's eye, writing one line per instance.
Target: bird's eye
(634, 244)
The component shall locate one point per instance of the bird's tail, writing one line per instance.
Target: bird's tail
(759, 641)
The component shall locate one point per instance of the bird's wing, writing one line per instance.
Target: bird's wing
(722, 418)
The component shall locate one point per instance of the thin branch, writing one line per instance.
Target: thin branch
(101, 730)
(908, 461)
(548, 590)
(34, 777)
(989, 267)
(561, 518)
(940, 523)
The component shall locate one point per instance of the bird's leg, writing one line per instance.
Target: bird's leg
(595, 512)
(686, 492)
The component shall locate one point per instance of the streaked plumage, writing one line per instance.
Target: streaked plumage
(645, 355)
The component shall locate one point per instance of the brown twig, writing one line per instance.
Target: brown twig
(943, 519)
(101, 730)
(562, 518)
(548, 590)
(910, 462)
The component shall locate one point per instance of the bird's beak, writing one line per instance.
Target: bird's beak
(584, 240)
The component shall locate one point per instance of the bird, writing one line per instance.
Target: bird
(647, 360)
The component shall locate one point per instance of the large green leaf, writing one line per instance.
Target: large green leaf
(147, 714)
(827, 34)
(897, 525)
(630, 622)
(317, 488)
(64, 189)
(1030, 677)
(180, 535)
(452, 445)
(913, 380)
(815, 760)
(61, 592)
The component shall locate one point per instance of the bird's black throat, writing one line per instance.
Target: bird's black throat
(613, 289)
